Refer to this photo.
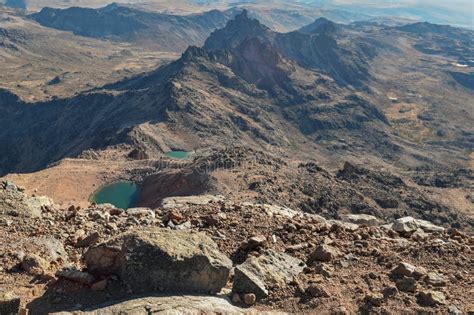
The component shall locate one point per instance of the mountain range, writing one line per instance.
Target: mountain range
(320, 163)
(117, 22)
(313, 93)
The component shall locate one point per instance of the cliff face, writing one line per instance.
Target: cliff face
(318, 47)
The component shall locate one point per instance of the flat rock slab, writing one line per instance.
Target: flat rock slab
(158, 259)
(256, 274)
(179, 202)
(364, 219)
(14, 201)
(185, 304)
(410, 225)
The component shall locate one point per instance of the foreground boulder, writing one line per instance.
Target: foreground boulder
(14, 202)
(177, 304)
(182, 202)
(362, 219)
(403, 270)
(45, 250)
(257, 274)
(76, 276)
(408, 225)
(160, 259)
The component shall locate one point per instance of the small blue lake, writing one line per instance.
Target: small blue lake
(123, 195)
(177, 154)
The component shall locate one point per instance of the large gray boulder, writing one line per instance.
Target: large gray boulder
(362, 219)
(271, 269)
(34, 205)
(48, 248)
(161, 259)
(405, 225)
(178, 304)
(408, 225)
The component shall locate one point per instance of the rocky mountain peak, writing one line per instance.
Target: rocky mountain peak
(193, 52)
(258, 62)
(236, 31)
(243, 16)
(319, 26)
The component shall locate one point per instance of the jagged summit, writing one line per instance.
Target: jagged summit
(193, 51)
(318, 48)
(340, 153)
(236, 31)
(243, 16)
(241, 65)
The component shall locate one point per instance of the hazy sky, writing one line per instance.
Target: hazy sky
(451, 4)
(455, 12)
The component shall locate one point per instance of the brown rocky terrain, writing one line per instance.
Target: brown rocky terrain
(40, 63)
(357, 264)
(327, 170)
(307, 101)
(337, 100)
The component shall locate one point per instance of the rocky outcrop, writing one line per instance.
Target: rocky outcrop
(15, 202)
(179, 202)
(384, 188)
(267, 243)
(318, 50)
(159, 259)
(179, 304)
(364, 219)
(270, 269)
(408, 225)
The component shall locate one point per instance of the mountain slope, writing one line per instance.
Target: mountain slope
(117, 22)
(40, 63)
(344, 61)
(247, 85)
(256, 91)
(443, 40)
(321, 25)
(176, 97)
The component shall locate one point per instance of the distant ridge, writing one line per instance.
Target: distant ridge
(117, 22)
(320, 26)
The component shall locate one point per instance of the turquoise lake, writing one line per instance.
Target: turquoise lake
(177, 154)
(123, 195)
